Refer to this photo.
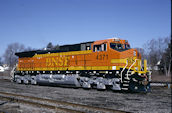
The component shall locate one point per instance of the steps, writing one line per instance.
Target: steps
(125, 82)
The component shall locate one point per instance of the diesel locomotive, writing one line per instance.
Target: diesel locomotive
(103, 64)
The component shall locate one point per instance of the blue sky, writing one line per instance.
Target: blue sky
(35, 23)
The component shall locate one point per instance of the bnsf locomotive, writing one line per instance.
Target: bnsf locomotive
(102, 64)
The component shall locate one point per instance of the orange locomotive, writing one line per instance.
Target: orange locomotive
(102, 64)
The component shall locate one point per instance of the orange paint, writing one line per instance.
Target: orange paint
(76, 59)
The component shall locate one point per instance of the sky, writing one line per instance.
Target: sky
(35, 23)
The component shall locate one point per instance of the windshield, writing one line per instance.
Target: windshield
(127, 46)
(119, 47)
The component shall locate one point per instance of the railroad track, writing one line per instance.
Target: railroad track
(58, 106)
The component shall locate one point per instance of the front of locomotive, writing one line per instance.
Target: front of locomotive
(134, 75)
(138, 73)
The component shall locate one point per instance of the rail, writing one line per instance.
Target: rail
(54, 104)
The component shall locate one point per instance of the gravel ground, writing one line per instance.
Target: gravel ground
(22, 108)
(157, 101)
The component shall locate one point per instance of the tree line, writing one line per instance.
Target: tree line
(154, 50)
(11, 59)
(158, 54)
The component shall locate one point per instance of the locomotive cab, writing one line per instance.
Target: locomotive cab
(114, 44)
(125, 63)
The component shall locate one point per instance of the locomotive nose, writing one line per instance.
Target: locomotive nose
(138, 56)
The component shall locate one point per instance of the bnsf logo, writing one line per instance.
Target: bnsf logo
(57, 61)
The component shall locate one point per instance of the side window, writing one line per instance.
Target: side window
(105, 46)
(101, 47)
(97, 48)
(85, 46)
(88, 47)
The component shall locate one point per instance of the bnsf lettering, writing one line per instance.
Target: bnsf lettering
(57, 61)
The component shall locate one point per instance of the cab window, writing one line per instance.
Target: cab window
(116, 46)
(127, 46)
(119, 47)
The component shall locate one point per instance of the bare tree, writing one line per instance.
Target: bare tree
(50, 46)
(167, 60)
(9, 55)
(1, 62)
(57, 47)
(155, 50)
(143, 54)
(153, 55)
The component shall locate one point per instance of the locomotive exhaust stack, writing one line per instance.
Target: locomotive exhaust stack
(102, 64)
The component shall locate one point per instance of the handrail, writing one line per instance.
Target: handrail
(124, 69)
(131, 66)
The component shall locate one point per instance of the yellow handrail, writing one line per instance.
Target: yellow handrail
(124, 69)
(130, 67)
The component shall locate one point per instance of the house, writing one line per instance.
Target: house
(2, 69)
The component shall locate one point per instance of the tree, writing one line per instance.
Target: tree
(1, 62)
(9, 56)
(167, 60)
(155, 50)
(57, 47)
(142, 52)
(50, 46)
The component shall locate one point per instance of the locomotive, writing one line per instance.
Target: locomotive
(103, 64)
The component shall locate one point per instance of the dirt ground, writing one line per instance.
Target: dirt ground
(161, 78)
(157, 101)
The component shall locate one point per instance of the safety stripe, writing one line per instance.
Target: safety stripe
(69, 68)
(63, 53)
(118, 60)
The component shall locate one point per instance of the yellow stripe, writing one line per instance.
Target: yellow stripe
(118, 60)
(72, 68)
(69, 68)
(63, 53)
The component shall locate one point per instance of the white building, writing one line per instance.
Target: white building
(2, 69)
